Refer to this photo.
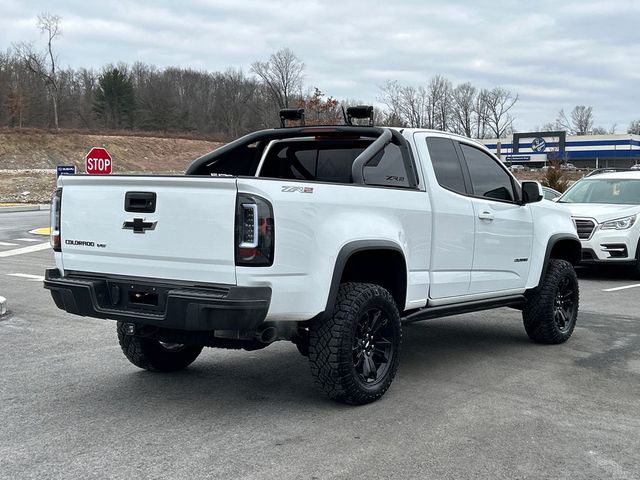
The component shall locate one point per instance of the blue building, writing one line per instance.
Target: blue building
(536, 149)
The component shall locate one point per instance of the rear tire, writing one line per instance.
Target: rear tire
(154, 355)
(354, 355)
(551, 310)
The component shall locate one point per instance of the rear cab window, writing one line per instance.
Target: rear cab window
(332, 161)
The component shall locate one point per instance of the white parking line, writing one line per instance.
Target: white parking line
(7, 244)
(28, 276)
(23, 250)
(28, 239)
(621, 288)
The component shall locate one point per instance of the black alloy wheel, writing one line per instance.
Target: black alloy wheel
(373, 346)
(565, 305)
(354, 354)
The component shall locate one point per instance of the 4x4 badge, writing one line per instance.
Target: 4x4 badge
(138, 225)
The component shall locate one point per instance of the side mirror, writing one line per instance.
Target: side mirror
(531, 192)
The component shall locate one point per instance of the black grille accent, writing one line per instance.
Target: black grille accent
(585, 228)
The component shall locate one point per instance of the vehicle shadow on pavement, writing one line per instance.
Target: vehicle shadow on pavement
(455, 345)
(607, 272)
(233, 381)
(223, 379)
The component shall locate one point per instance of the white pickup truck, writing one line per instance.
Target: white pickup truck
(327, 236)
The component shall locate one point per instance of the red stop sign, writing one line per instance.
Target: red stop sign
(98, 162)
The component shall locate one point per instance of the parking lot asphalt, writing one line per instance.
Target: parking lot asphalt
(473, 398)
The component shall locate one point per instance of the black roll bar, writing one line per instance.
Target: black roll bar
(357, 169)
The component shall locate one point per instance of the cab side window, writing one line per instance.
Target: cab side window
(446, 164)
(488, 179)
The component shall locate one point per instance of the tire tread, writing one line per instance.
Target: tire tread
(537, 314)
(331, 360)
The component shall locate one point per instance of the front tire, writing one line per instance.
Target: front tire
(551, 310)
(154, 355)
(354, 355)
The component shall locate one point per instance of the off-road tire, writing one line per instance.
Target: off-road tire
(152, 355)
(551, 310)
(337, 351)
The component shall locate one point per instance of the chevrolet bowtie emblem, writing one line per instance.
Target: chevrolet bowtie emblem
(138, 225)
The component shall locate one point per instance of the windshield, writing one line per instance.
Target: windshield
(614, 191)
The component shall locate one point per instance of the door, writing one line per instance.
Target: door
(503, 228)
(452, 219)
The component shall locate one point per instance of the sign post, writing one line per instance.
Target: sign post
(98, 161)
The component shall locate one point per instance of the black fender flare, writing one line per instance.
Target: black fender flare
(574, 259)
(345, 253)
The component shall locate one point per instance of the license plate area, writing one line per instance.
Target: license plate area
(146, 299)
(139, 297)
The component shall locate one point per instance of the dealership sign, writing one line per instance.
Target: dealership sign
(535, 157)
(538, 144)
(65, 170)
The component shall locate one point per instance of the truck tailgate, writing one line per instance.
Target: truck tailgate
(189, 235)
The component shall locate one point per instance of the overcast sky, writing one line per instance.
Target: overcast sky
(553, 54)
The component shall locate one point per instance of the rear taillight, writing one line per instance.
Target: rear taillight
(56, 203)
(255, 236)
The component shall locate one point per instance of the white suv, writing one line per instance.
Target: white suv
(606, 209)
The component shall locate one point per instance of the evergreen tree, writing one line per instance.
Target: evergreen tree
(115, 99)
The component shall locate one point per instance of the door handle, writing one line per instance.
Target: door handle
(486, 216)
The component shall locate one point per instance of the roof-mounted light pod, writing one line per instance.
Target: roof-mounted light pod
(291, 114)
(360, 111)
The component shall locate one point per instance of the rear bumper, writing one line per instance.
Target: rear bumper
(165, 304)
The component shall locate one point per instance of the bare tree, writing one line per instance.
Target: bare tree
(438, 92)
(391, 96)
(481, 113)
(546, 127)
(407, 105)
(234, 95)
(562, 122)
(461, 110)
(282, 74)
(634, 127)
(414, 105)
(44, 64)
(582, 119)
(498, 102)
(462, 106)
(579, 123)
